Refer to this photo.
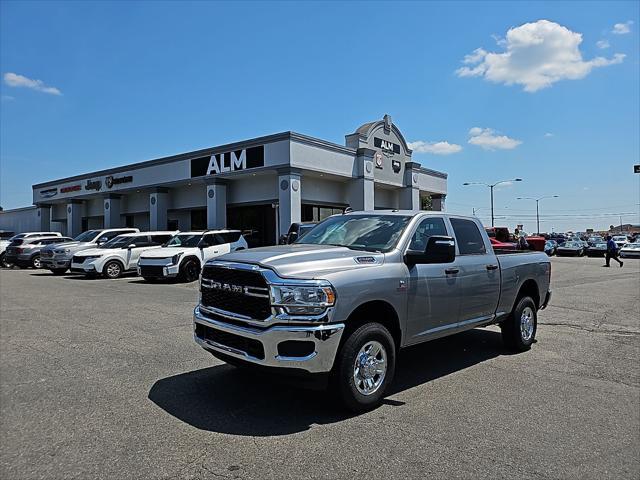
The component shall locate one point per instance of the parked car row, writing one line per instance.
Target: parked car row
(113, 252)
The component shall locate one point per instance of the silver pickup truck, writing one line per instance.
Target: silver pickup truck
(342, 300)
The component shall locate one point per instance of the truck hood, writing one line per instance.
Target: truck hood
(304, 260)
(72, 246)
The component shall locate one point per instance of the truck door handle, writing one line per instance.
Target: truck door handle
(492, 267)
(450, 271)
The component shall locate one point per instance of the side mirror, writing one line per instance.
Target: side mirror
(293, 236)
(203, 244)
(440, 249)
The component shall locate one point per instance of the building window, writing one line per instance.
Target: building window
(198, 219)
(128, 221)
(172, 225)
(317, 213)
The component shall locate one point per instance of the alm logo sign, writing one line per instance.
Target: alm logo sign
(234, 161)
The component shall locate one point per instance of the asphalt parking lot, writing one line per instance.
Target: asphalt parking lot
(101, 379)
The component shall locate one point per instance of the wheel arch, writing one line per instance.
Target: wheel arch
(378, 311)
(113, 259)
(529, 288)
(184, 259)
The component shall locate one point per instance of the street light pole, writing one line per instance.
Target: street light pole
(492, 221)
(491, 185)
(537, 208)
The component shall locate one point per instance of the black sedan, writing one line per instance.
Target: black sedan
(597, 250)
(570, 249)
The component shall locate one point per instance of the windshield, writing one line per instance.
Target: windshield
(572, 244)
(185, 240)
(619, 238)
(633, 246)
(358, 232)
(87, 236)
(117, 242)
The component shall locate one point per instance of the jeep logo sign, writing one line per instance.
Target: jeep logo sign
(228, 162)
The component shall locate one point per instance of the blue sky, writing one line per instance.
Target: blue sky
(123, 81)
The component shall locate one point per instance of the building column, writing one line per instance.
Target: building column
(216, 205)
(112, 212)
(289, 199)
(44, 218)
(437, 201)
(158, 205)
(74, 218)
(410, 193)
(361, 190)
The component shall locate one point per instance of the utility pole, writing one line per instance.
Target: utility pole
(537, 208)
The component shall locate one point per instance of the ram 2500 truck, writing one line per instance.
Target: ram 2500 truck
(348, 295)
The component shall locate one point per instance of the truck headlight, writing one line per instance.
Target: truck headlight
(303, 300)
(176, 258)
(90, 257)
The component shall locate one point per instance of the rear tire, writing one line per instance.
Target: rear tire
(113, 269)
(189, 270)
(364, 367)
(519, 330)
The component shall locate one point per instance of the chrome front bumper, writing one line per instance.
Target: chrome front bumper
(325, 337)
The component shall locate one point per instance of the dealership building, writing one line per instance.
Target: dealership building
(263, 185)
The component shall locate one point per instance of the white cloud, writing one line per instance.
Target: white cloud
(436, 148)
(548, 134)
(7, 98)
(603, 44)
(622, 28)
(15, 80)
(489, 139)
(536, 56)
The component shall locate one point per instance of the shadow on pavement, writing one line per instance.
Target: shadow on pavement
(228, 400)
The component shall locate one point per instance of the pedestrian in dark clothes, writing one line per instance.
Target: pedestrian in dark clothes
(612, 252)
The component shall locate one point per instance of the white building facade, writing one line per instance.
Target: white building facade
(262, 185)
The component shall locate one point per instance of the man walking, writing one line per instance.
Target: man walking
(612, 252)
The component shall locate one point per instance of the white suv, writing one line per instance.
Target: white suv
(58, 258)
(185, 254)
(118, 255)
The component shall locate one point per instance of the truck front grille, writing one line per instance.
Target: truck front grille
(237, 291)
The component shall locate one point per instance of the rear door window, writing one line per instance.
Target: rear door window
(468, 237)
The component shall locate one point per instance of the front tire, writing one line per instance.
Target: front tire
(35, 262)
(112, 269)
(365, 367)
(519, 330)
(189, 270)
(3, 262)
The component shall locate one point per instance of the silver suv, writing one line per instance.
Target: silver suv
(57, 258)
(25, 252)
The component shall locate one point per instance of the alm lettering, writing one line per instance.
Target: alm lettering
(386, 145)
(217, 165)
